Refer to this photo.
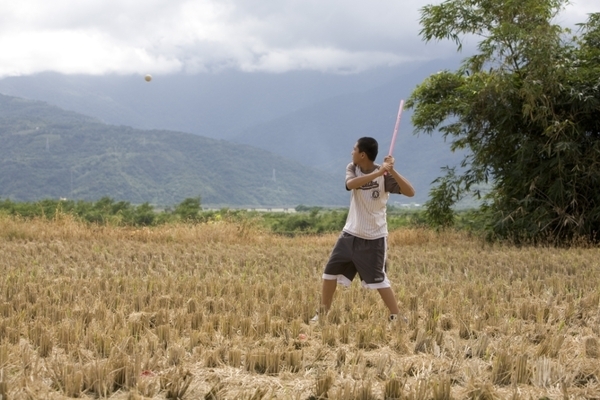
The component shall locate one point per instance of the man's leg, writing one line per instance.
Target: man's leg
(329, 286)
(388, 297)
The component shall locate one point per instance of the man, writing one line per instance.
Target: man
(362, 245)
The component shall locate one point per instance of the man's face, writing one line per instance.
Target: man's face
(357, 155)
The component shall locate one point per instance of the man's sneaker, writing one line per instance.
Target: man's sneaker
(398, 317)
(315, 318)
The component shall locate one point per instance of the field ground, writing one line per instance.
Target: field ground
(221, 311)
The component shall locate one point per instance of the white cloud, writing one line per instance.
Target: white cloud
(75, 51)
(169, 36)
(576, 12)
(323, 59)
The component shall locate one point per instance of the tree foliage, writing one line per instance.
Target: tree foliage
(189, 209)
(439, 212)
(525, 106)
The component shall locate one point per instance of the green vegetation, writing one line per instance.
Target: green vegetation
(103, 212)
(525, 107)
(305, 219)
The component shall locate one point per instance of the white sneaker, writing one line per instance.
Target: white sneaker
(315, 318)
(398, 317)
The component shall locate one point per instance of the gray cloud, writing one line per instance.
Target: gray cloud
(170, 36)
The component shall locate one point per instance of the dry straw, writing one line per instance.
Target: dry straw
(222, 311)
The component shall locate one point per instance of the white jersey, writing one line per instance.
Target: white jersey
(367, 217)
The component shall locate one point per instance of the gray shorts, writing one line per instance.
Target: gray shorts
(352, 255)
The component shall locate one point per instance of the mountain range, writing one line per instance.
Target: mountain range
(47, 152)
(298, 128)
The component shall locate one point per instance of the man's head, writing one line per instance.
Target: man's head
(369, 146)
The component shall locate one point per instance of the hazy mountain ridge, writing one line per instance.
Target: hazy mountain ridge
(323, 134)
(47, 152)
(311, 118)
(214, 105)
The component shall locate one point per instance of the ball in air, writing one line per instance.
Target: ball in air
(148, 78)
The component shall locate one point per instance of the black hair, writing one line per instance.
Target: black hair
(369, 146)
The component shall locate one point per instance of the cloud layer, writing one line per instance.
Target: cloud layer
(172, 36)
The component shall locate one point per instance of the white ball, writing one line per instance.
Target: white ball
(148, 78)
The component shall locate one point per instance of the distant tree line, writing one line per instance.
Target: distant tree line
(105, 211)
(306, 219)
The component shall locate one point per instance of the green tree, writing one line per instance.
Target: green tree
(438, 209)
(189, 209)
(144, 215)
(525, 108)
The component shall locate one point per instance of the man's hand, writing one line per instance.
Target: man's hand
(388, 163)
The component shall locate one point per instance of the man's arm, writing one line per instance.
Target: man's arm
(359, 181)
(406, 187)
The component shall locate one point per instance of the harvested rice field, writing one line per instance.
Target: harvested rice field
(222, 311)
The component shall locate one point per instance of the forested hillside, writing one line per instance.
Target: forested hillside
(47, 152)
(311, 118)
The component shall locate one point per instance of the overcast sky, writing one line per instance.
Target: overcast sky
(191, 36)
